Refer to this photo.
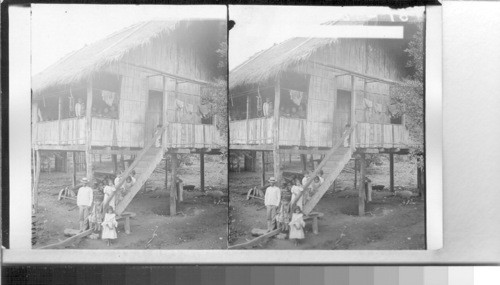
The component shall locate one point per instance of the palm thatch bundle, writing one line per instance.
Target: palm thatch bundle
(272, 62)
(81, 64)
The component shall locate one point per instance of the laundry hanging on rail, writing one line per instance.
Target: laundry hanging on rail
(296, 96)
(108, 97)
(179, 104)
(189, 108)
(204, 111)
(368, 103)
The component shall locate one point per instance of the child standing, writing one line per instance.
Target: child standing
(109, 226)
(296, 191)
(109, 190)
(284, 215)
(95, 217)
(297, 226)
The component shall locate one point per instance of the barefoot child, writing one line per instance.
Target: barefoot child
(109, 226)
(297, 226)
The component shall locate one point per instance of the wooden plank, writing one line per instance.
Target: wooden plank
(319, 167)
(391, 172)
(263, 169)
(127, 172)
(173, 190)
(88, 155)
(361, 189)
(255, 240)
(202, 171)
(68, 241)
(276, 155)
(74, 170)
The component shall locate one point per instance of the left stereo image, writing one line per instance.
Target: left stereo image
(129, 127)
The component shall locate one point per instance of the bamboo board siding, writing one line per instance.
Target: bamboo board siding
(110, 132)
(192, 136)
(259, 131)
(299, 132)
(381, 136)
(71, 132)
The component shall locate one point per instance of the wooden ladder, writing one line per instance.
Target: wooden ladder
(144, 165)
(332, 164)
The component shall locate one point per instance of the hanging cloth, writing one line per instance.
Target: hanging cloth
(108, 97)
(368, 103)
(393, 110)
(179, 104)
(204, 110)
(71, 101)
(296, 96)
(259, 102)
(189, 108)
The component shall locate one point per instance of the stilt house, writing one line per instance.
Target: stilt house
(118, 95)
(308, 96)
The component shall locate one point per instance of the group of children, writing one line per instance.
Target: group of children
(92, 203)
(286, 211)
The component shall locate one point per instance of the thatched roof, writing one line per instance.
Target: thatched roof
(270, 63)
(84, 62)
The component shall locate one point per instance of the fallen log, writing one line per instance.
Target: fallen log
(68, 240)
(255, 240)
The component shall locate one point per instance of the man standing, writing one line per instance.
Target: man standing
(84, 201)
(272, 200)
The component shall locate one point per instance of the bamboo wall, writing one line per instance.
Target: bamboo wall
(381, 136)
(363, 56)
(192, 136)
(253, 131)
(167, 54)
(63, 132)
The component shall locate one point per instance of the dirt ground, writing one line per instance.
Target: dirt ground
(199, 224)
(388, 224)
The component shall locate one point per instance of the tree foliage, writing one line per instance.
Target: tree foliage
(216, 94)
(409, 97)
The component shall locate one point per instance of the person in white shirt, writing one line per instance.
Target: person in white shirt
(272, 199)
(79, 108)
(84, 200)
(265, 108)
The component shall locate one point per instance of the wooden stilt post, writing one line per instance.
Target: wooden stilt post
(166, 171)
(115, 163)
(391, 172)
(247, 123)
(74, 168)
(311, 160)
(35, 182)
(263, 169)
(122, 162)
(303, 159)
(202, 171)
(276, 124)
(173, 187)
(361, 188)
(88, 145)
(355, 172)
(254, 161)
